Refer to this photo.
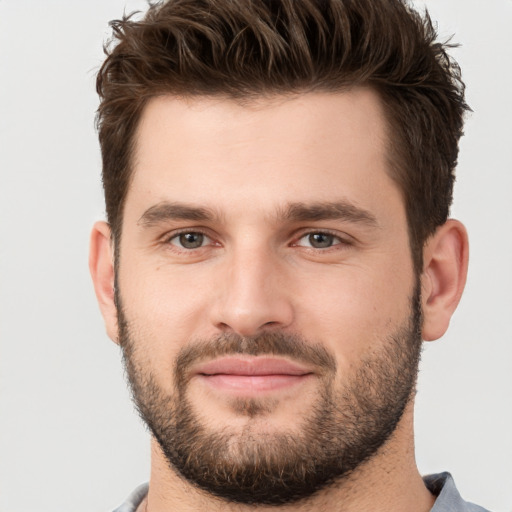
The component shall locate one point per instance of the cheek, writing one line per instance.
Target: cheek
(350, 308)
(354, 310)
(163, 309)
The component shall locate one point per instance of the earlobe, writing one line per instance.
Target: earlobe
(444, 276)
(101, 266)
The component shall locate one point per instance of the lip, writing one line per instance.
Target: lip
(251, 375)
(251, 366)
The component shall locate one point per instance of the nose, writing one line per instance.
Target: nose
(253, 293)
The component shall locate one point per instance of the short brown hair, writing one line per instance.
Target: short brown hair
(250, 48)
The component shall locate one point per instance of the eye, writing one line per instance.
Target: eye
(190, 240)
(319, 240)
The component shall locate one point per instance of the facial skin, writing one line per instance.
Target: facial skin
(247, 228)
(256, 464)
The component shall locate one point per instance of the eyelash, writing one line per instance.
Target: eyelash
(176, 234)
(338, 240)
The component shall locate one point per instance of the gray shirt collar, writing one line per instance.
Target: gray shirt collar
(440, 485)
(448, 497)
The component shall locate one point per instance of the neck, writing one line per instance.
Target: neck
(388, 481)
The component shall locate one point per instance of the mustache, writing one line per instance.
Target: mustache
(275, 344)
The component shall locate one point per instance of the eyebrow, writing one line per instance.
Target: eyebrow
(292, 212)
(165, 211)
(339, 210)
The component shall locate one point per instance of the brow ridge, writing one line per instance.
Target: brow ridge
(338, 210)
(166, 210)
(292, 212)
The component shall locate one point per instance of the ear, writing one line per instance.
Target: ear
(445, 266)
(101, 266)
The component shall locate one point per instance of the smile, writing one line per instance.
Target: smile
(254, 375)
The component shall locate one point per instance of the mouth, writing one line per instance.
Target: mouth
(245, 376)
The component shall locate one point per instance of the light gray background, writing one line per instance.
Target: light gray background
(69, 440)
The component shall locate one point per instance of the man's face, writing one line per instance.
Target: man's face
(268, 308)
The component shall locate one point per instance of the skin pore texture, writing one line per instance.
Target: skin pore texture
(267, 306)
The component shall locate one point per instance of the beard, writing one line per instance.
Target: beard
(346, 426)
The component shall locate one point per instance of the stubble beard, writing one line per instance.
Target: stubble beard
(346, 426)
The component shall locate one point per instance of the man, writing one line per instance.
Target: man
(278, 177)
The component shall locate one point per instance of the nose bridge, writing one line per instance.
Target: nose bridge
(253, 297)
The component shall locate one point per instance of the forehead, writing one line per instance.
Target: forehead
(219, 152)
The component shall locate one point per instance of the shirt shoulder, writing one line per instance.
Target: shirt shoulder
(448, 497)
(134, 500)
